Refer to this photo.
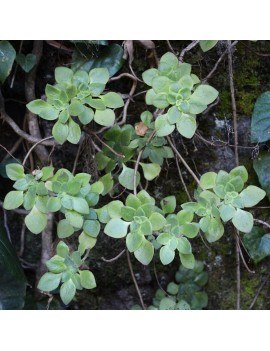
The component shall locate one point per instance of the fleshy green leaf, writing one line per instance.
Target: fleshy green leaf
(145, 253)
(62, 249)
(183, 246)
(63, 75)
(162, 126)
(36, 221)
(56, 264)
(116, 228)
(99, 75)
(126, 178)
(150, 170)
(166, 255)
(243, 221)
(114, 208)
(240, 171)
(202, 96)
(43, 109)
(134, 241)
(64, 229)
(208, 180)
(74, 132)
(112, 100)
(157, 221)
(13, 199)
(252, 195)
(49, 281)
(207, 44)
(186, 126)
(87, 279)
(91, 227)
(187, 261)
(168, 204)
(15, 171)
(67, 291)
(60, 132)
(104, 117)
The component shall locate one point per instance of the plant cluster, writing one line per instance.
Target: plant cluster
(185, 293)
(77, 99)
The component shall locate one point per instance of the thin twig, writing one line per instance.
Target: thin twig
(103, 143)
(258, 292)
(86, 254)
(237, 236)
(16, 210)
(22, 239)
(32, 148)
(218, 62)
(16, 66)
(13, 149)
(170, 47)
(184, 162)
(6, 225)
(134, 280)
(77, 156)
(9, 153)
(262, 222)
(237, 244)
(188, 48)
(114, 258)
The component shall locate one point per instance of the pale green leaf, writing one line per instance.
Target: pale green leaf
(166, 255)
(251, 196)
(243, 220)
(145, 252)
(208, 180)
(64, 229)
(150, 170)
(67, 291)
(116, 228)
(13, 199)
(127, 176)
(105, 117)
(87, 279)
(15, 171)
(36, 221)
(60, 132)
(49, 282)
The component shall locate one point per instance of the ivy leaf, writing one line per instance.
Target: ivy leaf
(207, 44)
(13, 199)
(243, 221)
(163, 127)
(145, 252)
(257, 244)
(166, 255)
(252, 195)
(7, 56)
(36, 221)
(262, 167)
(260, 121)
(150, 170)
(105, 117)
(126, 178)
(49, 281)
(87, 279)
(27, 62)
(116, 228)
(67, 291)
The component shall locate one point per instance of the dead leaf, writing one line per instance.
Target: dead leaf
(128, 51)
(141, 129)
